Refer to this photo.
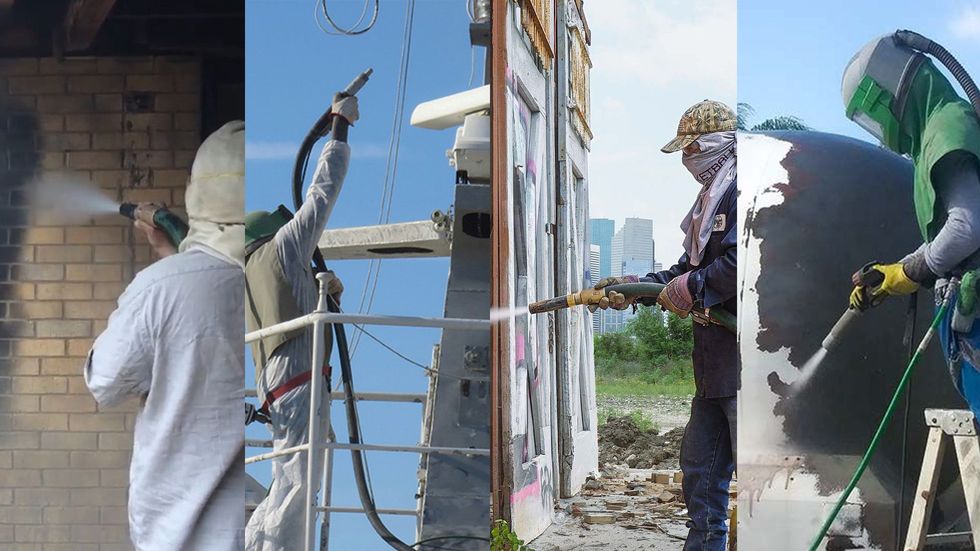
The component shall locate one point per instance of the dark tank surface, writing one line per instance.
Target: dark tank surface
(846, 203)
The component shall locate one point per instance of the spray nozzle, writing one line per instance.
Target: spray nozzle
(128, 210)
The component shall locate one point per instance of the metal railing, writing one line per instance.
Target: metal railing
(320, 416)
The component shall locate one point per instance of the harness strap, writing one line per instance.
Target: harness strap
(294, 382)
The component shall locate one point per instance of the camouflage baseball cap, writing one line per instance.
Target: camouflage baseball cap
(703, 117)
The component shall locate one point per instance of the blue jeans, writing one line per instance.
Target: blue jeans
(708, 461)
(962, 351)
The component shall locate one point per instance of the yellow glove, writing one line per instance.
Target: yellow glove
(614, 300)
(896, 282)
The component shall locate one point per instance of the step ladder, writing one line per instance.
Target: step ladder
(958, 424)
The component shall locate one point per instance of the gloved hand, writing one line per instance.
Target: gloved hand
(676, 296)
(253, 414)
(335, 287)
(346, 107)
(614, 300)
(896, 282)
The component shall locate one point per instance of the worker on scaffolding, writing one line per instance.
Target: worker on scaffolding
(899, 96)
(705, 277)
(175, 342)
(280, 286)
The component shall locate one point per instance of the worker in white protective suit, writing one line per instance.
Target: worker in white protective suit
(176, 342)
(280, 286)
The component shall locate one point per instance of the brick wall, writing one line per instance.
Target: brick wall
(131, 126)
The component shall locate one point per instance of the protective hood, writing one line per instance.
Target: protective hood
(261, 225)
(936, 121)
(875, 87)
(715, 168)
(215, 197)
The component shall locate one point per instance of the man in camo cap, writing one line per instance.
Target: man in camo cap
(704, 277)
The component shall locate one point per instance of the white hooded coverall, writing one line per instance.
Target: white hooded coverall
(278, 522)
(176, 341)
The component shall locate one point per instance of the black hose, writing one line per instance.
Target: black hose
(916, 41)
(319, 130)
(354, 430)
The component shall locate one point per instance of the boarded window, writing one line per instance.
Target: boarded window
(581, 65)
(537, 19)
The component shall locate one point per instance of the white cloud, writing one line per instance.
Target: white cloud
(270, 151)
(966, 24)
(653, 60)
(278, 151)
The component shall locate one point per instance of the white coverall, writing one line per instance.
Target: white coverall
(176, 341)
(278, 522)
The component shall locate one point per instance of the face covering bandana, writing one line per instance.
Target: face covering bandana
(714, 167)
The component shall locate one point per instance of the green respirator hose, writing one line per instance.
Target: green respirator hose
(866, 460)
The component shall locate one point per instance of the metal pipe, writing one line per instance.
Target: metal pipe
(363, 447)
(325, 497)
(405, 512)
(316, 381)
(368, 319)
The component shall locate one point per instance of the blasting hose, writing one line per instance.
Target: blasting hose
(633, 291)
(951, 289)
(916, 41)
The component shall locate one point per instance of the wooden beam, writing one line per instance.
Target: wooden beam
(83, 20)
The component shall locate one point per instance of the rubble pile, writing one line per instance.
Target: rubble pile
(622, 442)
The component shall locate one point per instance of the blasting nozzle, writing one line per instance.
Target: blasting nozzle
(355, 85)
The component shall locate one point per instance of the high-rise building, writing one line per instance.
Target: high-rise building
(601, 232)
(632, 253)
(595, 255)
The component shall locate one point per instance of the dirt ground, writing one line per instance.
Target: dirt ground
(636, 502)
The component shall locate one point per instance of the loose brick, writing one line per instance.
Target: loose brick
(64, 291)
(38, 385)
(125, 65)
(97, 496)
(69, 440)
(67, 404)
(148, 159)
(71, 515)
(42, 534)
(21, 515)
(115, 441)
(150, 83)
(19, 66)
(90, 309)
(68, 103)
(108, 103)
(20, 440)
(93, 122)
(40, 459)
(64, 141)
(63, 253)
(68, 66)
(93, 272)
(121, 140)
(70, 478)
(148, 121)
(114, 478)
(79, 348)
(37, 85)
(38, 272)
(93, 236)
(98, 422)
(44, 236)
(40, 421)
(61, 366)
(94, 159)
(96, 84)
(108, 291)
(20, 478)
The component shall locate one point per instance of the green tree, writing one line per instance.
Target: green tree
(783, 122)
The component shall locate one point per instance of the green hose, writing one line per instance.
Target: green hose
(863, 465)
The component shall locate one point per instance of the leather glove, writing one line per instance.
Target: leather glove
(614, 300)
(896, 282)
(346, 107)
(676, 296)
(253, 414)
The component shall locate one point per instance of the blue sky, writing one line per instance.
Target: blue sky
(791, 54)
(292, 71)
